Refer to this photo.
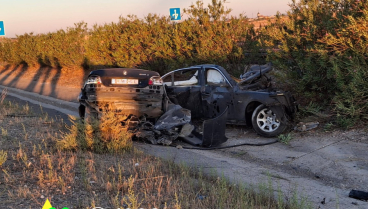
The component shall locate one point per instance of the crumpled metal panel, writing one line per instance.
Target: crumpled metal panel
(214, 130)
(173, 117)
(215, 100)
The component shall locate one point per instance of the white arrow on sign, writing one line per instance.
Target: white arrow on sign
(175, 15)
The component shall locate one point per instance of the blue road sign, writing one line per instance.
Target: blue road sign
(2, 30)
(175, 14)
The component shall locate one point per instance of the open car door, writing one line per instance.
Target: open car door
(183, 87)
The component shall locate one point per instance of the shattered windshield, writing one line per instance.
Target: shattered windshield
(188, 77)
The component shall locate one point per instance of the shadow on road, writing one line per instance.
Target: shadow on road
(55, 82)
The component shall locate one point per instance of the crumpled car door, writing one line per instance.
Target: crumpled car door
(216, 94)
(183, 87)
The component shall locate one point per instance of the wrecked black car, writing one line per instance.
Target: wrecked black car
(131, 92)
(208, 90)
(140, 96)
(162, 109)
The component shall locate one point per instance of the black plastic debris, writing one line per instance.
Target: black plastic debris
(176, 122)
(173, 117)
(359, 195)
(255, 72)
(306, 126)
(213, 132)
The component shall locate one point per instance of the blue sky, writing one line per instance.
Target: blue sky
(42, 16)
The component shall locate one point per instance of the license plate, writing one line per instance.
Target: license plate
(124, 81)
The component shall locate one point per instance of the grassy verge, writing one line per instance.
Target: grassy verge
(34, 168)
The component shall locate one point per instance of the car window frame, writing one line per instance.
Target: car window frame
(171, 74)
(219, 71)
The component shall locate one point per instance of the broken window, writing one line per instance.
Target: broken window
(187, 77)
(167, 80)
(215, 78)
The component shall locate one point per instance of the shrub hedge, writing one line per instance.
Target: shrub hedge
(154, 43)
(323, 51)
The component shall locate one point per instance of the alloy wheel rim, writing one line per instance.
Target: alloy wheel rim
(266, 120)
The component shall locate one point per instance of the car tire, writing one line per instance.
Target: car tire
(265, 123)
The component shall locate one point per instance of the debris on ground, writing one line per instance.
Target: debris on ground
(359, 195)
(186, 130)
(176, 122)
(306, 126)
(167, 128)
(173, 117)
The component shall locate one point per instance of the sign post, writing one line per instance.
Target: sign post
(2, 30)
(175, 14)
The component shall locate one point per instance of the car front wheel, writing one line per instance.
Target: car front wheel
(266, 123)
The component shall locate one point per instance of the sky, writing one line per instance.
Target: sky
(43, 16)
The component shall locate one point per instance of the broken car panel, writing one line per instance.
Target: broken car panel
(213, 132)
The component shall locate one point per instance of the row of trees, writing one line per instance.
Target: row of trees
(321, 47)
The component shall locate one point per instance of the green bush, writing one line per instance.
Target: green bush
(64, 48)
(323, 51)
(9, 52)
(157, 43)
(28, 46)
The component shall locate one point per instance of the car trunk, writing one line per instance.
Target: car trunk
(128, 91)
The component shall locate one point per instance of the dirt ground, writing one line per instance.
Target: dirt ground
(334, 158)
(326, 164)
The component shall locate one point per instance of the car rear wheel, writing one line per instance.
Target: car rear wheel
(265, 122)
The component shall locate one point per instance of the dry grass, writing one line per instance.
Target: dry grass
(36, 170)
(100, 136)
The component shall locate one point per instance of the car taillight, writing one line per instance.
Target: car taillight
(155, 80)
(94, 80)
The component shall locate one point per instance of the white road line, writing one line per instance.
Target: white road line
(71, 105)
